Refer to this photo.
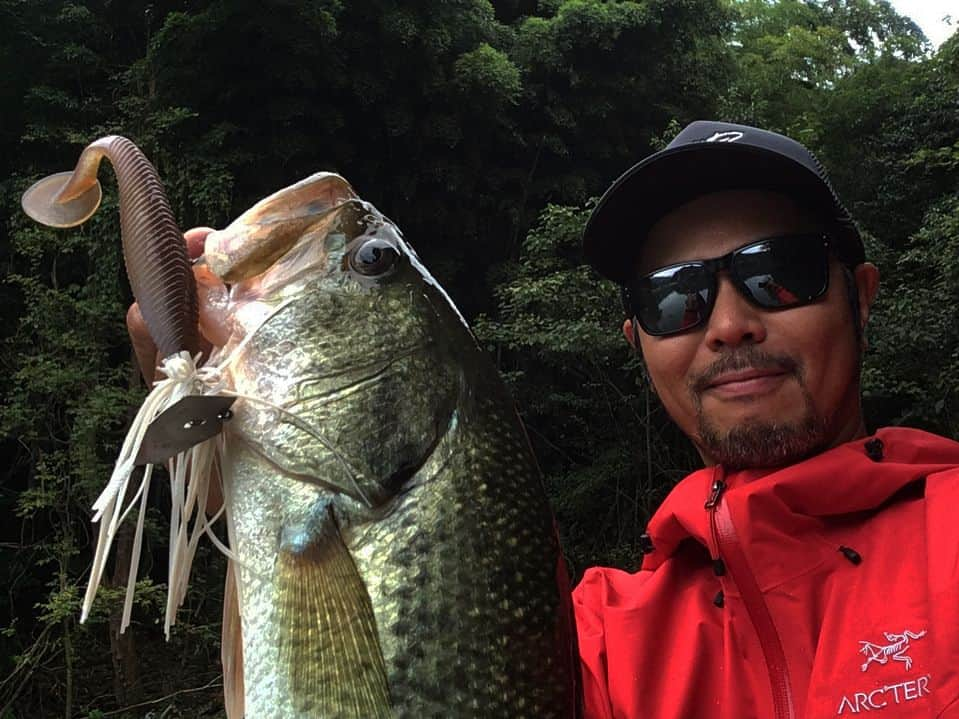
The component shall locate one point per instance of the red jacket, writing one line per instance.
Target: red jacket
(828, 588)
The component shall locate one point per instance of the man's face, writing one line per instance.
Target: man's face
(754, 387)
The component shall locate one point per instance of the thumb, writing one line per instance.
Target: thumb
(195, 239)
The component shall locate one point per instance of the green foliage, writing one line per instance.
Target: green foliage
(791, 53)
(67, 359)
(900, 176)
(915, 368)
(603, 77)
(487, 70)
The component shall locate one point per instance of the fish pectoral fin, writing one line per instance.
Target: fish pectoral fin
(231, 648)
(328, 643)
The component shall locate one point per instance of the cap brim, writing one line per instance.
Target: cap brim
(651, 189)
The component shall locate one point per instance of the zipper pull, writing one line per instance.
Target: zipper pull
(715, 492)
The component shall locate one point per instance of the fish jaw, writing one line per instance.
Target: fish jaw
(259, 237)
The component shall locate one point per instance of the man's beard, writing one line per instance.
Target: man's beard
(760, 443)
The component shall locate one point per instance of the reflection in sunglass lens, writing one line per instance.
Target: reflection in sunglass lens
(674, 298)
(781, 273)
(774, 273)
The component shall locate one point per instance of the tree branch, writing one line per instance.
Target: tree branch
(215, 682)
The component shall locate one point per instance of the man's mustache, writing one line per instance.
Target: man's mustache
(749, 357)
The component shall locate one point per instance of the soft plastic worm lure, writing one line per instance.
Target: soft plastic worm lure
(153, 246)
(162, 280)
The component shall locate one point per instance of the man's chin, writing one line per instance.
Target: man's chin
(760, 443)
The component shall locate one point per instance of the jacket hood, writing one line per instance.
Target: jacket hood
(859, 476)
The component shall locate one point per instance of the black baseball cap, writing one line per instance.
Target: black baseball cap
(710, 157)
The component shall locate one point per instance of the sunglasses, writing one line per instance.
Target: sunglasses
(773, 273)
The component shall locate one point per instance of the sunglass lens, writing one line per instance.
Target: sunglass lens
(673, 299)
(783, 272)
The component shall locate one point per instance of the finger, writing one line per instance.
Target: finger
(195, 239)
(143, 346)
(213, 297)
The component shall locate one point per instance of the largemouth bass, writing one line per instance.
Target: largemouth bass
(395, 553)
(391, 551)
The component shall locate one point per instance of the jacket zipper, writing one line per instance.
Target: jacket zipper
(731, 553)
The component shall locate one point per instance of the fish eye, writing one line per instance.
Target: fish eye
(374, 258)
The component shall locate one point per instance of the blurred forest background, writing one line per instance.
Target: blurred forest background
(483, 129)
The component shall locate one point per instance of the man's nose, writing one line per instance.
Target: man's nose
(734, 320)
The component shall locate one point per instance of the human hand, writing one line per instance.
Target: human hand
(214, 332)
(211, 297)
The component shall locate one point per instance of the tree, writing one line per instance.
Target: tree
(792, 53)
(913, 207)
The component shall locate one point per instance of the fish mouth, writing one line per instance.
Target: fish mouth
(259, 237)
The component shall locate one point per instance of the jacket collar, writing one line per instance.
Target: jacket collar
(839, 481)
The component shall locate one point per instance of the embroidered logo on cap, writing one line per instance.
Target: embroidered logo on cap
(896, 649)
(728, 136)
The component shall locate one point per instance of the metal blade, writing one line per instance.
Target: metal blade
(192, 420)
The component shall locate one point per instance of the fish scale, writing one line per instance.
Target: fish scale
(396, 553)
(496, 630)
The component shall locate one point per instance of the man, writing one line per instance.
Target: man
(809, 570)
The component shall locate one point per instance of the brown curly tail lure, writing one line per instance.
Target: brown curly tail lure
(183, 411)
(153, 247)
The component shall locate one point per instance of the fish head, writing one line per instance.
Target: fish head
(347, 332)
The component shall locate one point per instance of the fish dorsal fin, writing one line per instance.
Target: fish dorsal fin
(231, 648)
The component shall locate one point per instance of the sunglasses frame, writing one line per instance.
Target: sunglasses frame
(713, 267)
